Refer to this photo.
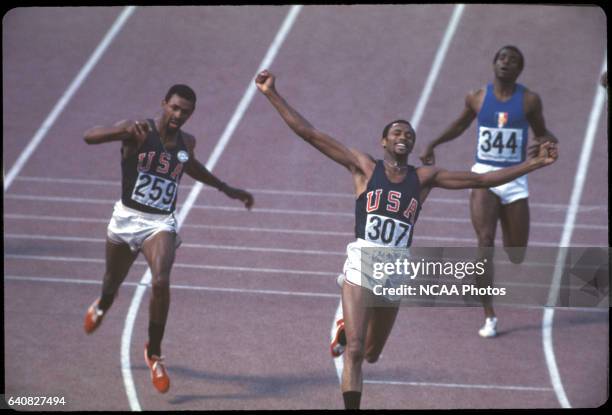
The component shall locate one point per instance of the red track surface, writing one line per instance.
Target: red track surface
(349, 70)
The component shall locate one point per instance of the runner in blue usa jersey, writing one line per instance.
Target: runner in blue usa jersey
(389, 194)
(505, 111)
(154, 155)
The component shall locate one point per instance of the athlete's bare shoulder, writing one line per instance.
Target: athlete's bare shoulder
(189, 140)
(474, 98)
(531, 100)
(366, 161)
(529, 93)
(369, 157)
(477, 92)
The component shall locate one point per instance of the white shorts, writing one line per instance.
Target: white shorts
(132, 227)
(352, 267)
(509, 192)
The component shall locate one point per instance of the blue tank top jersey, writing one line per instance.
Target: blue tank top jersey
(502, 129)
(386, 212)
(150, 177)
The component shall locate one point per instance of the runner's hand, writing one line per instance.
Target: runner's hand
(547, 153)
(428, 157)
(240, 194)
(534, 149)
(139, 130)
(265, 81)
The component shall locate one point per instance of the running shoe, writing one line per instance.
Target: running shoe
(159, 376)
(489, 329)
(340, 280)
(338, 342)
(93, 317)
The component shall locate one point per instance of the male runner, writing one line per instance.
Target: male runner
(389, 194)
(505, 111)
(154, 155)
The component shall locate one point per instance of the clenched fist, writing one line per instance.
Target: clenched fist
(139, 130)
(265, 81)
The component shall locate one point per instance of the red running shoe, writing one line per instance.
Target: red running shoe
(159, 376)
(93, 317)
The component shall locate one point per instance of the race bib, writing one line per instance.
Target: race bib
(500, 144)
(154, 191)
(387, 231)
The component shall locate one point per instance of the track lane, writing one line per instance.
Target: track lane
(349, 20)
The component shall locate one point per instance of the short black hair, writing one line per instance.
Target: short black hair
(182, 91)
(388, 126)
(514, 48)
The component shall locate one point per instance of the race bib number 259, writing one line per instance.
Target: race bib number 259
(154, 191)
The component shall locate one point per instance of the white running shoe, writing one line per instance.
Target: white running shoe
(340, 280)
(489, 329)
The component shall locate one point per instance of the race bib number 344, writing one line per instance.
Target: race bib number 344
(500, 144)
(154, 191)
(387, 231)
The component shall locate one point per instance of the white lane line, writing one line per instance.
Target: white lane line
(281, 271)
(293, 271)
(174, 287)
(19, 216)
(184, 245)
(67, 96)
(192, 226)
(53, 279)
(460, 385)
(176, 265)
(566, 237)
(455, 200)
(314, 232)
(415, 120)
(268, 249)
(191, 198)
(282, 211)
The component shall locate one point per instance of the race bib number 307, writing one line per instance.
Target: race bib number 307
(387, 231)
(500, 144)
(154, 191)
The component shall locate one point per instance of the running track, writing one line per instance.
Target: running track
(248, 329)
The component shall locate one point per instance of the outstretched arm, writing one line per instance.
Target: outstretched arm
(453, 131)
(127, 130)
(199, 172)
(332, 148)
(465, 179)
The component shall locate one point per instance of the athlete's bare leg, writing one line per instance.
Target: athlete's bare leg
(514, 219)
(119, 259)
(379, 328)
(159, 250)
(356, 316)
(485, 209)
